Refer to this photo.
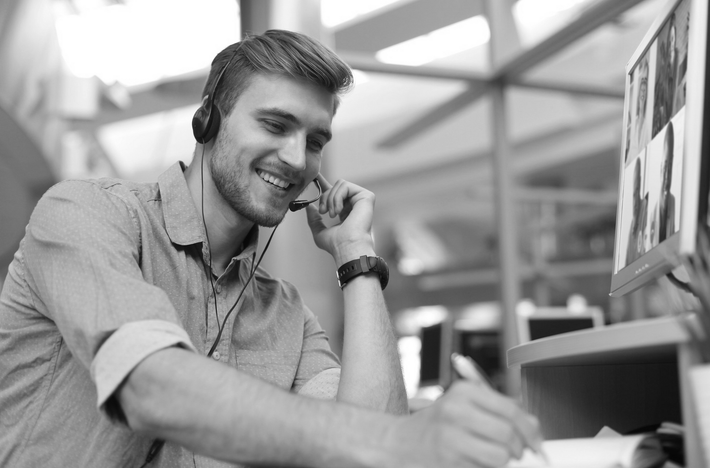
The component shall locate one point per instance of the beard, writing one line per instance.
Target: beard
(226, 177)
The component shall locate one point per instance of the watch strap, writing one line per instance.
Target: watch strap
(360, 266)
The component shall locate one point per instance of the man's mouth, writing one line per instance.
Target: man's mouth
(273, 180)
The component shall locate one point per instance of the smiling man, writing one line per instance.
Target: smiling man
(137, 328)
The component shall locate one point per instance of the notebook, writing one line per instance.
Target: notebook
(633, 451)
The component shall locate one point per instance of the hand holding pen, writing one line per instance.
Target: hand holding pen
(468, 370)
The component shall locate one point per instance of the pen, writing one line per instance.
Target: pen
(467, 369)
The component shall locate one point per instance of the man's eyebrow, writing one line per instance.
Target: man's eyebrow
(277, 112)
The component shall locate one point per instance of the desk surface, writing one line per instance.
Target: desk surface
(651, 340)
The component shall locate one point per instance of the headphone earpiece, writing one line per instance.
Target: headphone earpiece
(207, 118)
(206, 121)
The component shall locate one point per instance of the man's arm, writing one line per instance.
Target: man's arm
(371, 375)
(213, 409)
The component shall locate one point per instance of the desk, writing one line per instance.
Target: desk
(625, 376)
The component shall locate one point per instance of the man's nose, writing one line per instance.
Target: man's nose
(293, 152)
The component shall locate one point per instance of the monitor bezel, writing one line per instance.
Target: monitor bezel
(665, 257)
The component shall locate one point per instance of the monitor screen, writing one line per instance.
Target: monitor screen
(430, 367)
(541, 322)
(542, 328)
(662, 179)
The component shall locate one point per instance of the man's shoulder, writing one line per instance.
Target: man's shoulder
(91, 191)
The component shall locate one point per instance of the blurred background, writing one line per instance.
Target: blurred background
(490, 131)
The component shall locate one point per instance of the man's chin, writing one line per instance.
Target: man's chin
(268, 219)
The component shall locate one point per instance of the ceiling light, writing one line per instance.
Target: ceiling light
(440, 43)
(141, 41)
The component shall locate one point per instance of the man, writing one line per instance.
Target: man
(666, 221)
(665, 78)
(642, 130)
(137, 329)
(636, 245)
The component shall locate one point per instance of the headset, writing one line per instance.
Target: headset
(300, 204)
(207, 118)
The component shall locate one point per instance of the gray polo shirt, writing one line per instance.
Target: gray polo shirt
(109, 272)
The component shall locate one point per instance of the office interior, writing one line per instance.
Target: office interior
(489, 130)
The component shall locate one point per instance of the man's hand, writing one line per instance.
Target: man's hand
(354, 207)
(471, 426)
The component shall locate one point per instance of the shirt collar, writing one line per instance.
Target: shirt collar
(183, 222)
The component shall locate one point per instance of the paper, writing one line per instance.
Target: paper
(637, 451)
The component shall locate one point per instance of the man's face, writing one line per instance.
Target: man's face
(269, 147)
(643, 89)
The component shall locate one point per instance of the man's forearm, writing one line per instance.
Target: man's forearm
(371, 374)
(217, 411)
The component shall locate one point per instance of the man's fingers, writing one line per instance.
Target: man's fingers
(507, 409)
(315, 221)
(324, 184)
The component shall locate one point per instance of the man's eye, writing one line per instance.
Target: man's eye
(315, 145)
(273, 126)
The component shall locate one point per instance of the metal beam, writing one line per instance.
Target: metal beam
(254, 16)
(435, 116)
(566, 196)
(491, 276)
(368, 63)
(570, 88)
(402, 22)
(595, 16)
(588, 138)
(505, 40)
(508, 257)
(164, 97)
(512, 71)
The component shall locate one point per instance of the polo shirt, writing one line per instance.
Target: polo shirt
(110, 271)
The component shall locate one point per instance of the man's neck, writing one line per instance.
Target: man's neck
(226, 229)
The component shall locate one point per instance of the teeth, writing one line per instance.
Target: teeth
(273, 180)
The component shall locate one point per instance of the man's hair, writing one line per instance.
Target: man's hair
(276, 52)
(668, 143)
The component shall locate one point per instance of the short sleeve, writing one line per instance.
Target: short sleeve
(316, 355)
(83, 251)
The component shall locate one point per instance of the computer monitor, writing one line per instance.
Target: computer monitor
(431, 352)
(541, 322)
(663, 180)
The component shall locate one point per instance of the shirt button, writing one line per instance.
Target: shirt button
(216, 356)
(218, 288)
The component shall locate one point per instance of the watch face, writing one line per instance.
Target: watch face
(384, 272)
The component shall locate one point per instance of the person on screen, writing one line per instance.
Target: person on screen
(642, 130)
(118, 342)
(682, 71)
(665, 79)
(667, 200)
(635, 246)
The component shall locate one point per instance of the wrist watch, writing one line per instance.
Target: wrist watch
(360, 266)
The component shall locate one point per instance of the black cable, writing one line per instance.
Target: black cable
(680, 284)
(153, 451)
(207, 235)
(251, 275)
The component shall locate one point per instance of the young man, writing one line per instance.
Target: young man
(137, 329)
(666, 205)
